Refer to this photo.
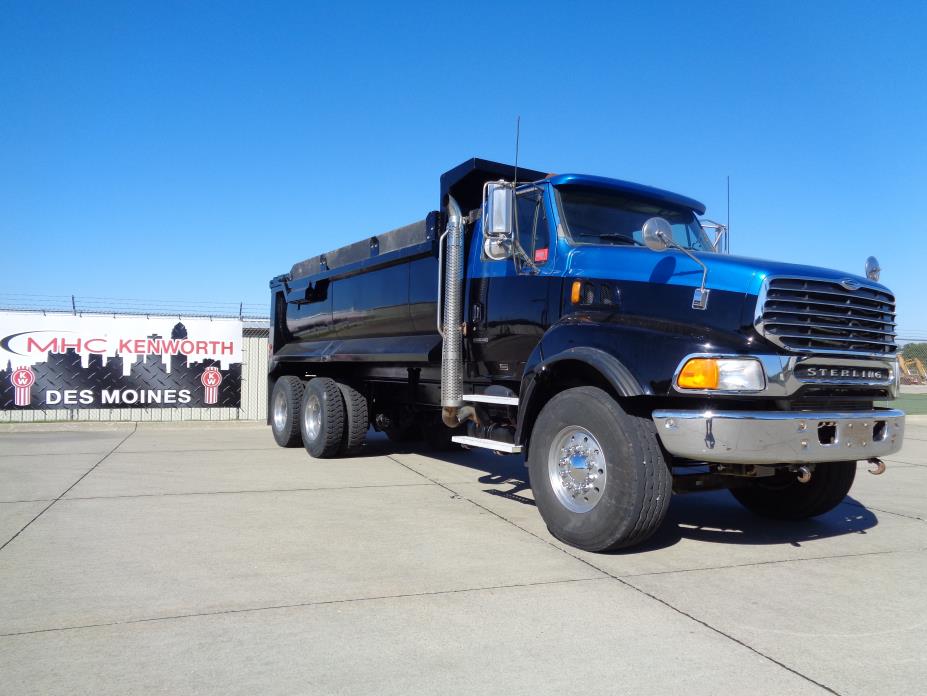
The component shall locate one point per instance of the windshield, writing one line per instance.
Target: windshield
(600, 216)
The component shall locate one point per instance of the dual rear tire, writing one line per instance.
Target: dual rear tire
(326, 417)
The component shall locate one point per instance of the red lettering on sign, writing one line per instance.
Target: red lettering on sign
(91, 349)
(32, 345)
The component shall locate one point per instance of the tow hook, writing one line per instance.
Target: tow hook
(878, 466)
(804, 474)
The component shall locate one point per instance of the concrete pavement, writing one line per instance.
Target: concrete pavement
(204, 559)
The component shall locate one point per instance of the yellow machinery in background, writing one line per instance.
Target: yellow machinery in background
(912, 370)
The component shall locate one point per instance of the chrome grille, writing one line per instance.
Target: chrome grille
(809, 315)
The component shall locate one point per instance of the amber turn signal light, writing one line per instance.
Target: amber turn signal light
(576, 291)
(699, 373)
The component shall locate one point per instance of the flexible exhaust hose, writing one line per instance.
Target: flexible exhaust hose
(451, 348)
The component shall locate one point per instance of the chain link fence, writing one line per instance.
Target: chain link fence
(121, 306)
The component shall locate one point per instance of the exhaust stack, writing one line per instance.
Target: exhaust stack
(451, 347)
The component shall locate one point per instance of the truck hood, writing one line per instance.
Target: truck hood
(672, 267)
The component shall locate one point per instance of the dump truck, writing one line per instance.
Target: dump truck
(601, 330)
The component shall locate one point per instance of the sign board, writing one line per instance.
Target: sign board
(64, 361)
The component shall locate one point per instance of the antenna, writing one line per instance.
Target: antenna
(517, 134)
(729, 212)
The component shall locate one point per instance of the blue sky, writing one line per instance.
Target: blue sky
(192, 150)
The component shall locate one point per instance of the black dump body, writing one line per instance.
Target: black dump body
(375, 300)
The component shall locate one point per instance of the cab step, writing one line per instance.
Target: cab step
(507, 447)
(491, 399)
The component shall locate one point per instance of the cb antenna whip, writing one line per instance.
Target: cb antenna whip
(517, 133)
(728, 212)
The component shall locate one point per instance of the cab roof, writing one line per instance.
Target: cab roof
(630, 188)
(465, 183)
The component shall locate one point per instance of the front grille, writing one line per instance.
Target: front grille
(822, 316)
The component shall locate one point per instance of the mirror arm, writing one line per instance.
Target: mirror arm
(700, 298)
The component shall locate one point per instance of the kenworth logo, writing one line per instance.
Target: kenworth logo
(49, 341)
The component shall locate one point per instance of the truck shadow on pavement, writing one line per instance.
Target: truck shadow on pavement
(714, 517)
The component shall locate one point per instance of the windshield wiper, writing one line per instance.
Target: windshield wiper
(620, 238)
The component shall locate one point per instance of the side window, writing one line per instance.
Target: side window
(532, 227)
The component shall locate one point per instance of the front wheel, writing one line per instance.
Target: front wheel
(598, 474)
(783, 497)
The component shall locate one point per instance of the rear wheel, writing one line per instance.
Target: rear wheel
(285, 403)
(322, 417)
(598, 474)
(783, 497)
(356, 420)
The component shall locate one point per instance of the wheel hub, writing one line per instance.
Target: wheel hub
(577, 469)
(312, 416)
(280, 412)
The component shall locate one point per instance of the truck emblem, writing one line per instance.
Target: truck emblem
(211, 380)
(850, 284)
(23, 379)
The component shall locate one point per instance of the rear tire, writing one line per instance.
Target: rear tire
(285, 404)
(321, 419)
(356, 420)
(598, 474)
(785, 498)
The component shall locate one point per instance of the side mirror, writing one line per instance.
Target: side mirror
(657, 234)
(498, 224)
(498, 208)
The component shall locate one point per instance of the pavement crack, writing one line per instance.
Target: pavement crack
(773, 562)
(69, 488)
(297, 605)
(886, 512)
(242, 492)
(629, 585)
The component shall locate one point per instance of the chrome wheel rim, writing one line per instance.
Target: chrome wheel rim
(577, 469)
(312, 416)
(280, 412)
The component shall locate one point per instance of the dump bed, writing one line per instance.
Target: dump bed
(374, 300)
(400, 239)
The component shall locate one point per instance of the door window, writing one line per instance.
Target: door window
(531, 226)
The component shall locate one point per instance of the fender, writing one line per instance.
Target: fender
(538, 367)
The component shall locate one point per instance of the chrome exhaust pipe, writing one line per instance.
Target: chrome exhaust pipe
(451, 346)
(878, 466)
(804, 474)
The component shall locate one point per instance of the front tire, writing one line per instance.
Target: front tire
(783, 497)
(322, 418)
(285, 404)
(598, 474)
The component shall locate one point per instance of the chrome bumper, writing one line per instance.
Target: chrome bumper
(780, 437)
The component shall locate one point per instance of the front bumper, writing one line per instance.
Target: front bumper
(779, 437)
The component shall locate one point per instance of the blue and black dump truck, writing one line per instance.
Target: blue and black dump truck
(599, 328)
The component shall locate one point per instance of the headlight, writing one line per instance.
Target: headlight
(722, 374)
